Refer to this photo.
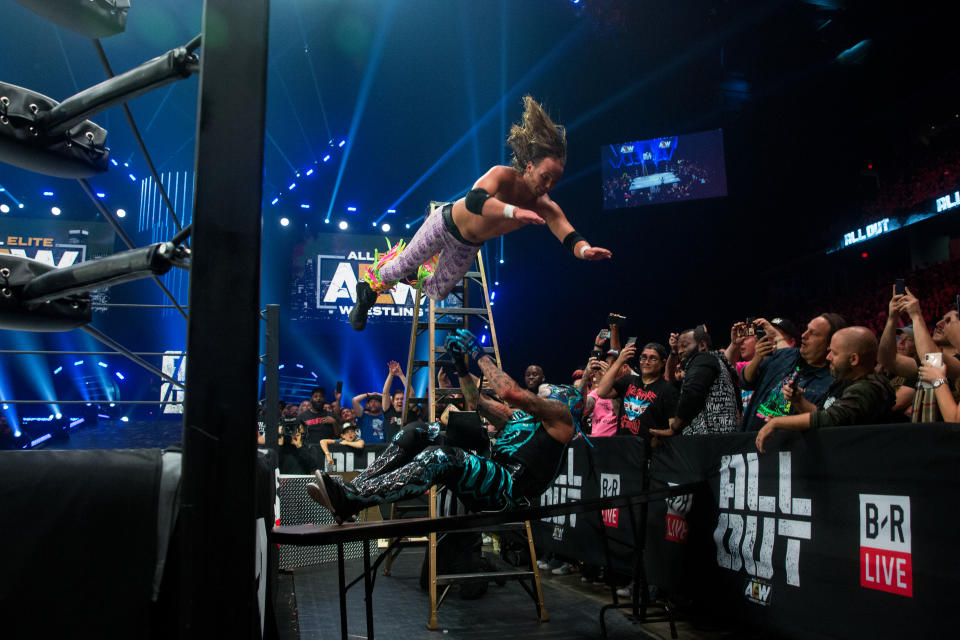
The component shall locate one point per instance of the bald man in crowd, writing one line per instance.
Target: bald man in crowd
(857, 396)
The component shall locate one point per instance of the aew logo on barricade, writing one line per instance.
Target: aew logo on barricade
(885, 556)
(610, 486)
(336, 291)
(565, 487)
(758, 591)
(676, 521)
(745, 514)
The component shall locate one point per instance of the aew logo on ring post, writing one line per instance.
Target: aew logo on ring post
(749, 524)
(885, 556)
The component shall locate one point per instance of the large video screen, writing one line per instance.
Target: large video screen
(326, 268)
(670, 169)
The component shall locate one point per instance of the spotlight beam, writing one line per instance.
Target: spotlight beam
(273, 141)
(545, 61)
(313, 73)
(296, 116)
(375, 55)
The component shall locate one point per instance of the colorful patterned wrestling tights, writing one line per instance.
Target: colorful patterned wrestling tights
(417, 459)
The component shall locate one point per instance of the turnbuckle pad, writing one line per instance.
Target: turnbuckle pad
(79, 152)
(62, 314)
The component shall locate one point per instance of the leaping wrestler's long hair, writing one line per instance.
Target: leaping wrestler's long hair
(536, 137)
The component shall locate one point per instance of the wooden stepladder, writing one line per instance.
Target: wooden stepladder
(456, 313)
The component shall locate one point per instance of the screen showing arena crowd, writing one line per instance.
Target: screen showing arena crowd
(668, 169)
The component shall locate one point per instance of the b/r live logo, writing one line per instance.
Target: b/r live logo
(885, 560)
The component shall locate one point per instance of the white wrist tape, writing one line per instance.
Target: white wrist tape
(583, 249)
(508, 210)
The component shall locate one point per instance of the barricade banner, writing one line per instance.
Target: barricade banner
(843, 532)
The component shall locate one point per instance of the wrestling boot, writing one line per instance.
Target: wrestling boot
(366, 298)
(330, 494)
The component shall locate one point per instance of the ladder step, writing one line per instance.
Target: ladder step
(461, 311)
(472, 274)
(440, 399)
(450, 578)
(496, 528)
(447, 326)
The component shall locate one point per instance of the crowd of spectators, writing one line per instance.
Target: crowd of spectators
(889, 356)
(617, 191)
(308, 428)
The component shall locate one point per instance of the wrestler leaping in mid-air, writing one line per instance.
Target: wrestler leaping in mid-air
(526, 457)
(504, 199)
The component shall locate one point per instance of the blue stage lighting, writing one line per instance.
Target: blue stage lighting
(20, 206)
(114, 162)
(284, 222)
(352, 209)
(407, 225)
(275, 201)
(78, 363)
(493, 294)
(119, 375)
(48, 193)
(374, 223)
(304, 206)
(497, 283)
(343, 225)
(113, 404)
(326, 221)
(124, 419)
(314, 374)
(59, 415)
(483, 339)
(391, 210)
(310, 172)
(126, 164)
(281, 366)
(501, 260)
(4, 208)
(57, 370)
(5, 407)
(299, 366)
(121, 213)
(385, 227)
(55, 210)
(101, 194)
(102, 364)
(293, 185)
(297, 174)
(326, 157)
(342, 142)
(133, 178)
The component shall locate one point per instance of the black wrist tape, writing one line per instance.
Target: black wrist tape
(570, 242)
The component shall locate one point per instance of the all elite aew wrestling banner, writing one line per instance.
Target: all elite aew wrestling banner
(325, 273)
(59, 243)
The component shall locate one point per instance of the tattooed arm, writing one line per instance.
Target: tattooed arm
(496, 412)
(554, 415)
(469, 388)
